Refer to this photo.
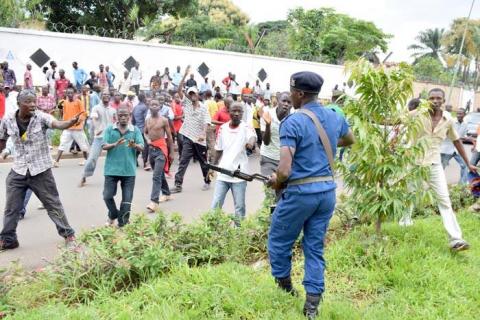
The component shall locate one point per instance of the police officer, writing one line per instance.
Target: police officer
(308, 198)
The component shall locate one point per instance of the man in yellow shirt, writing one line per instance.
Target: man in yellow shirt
(436, 126)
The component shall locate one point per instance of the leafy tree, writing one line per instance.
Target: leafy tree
(428, 68)
(471, 47)
(273, 26)
(430, 44)
(326, 36)
(11, 13)
(274, 44)
(346, 38)
(305, 31)
(118, 16)
(216, 24)
(223, 12)
(380, 171)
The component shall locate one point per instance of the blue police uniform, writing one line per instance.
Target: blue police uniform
(306, 206)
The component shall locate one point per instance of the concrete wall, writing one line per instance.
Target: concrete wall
(17, 45)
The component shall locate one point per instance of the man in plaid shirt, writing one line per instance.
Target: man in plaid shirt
(31, 169)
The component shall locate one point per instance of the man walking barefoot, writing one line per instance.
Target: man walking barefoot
(161, 153)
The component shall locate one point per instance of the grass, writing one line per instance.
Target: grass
(407, 274)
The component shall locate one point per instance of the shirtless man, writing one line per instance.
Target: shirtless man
(161, 153)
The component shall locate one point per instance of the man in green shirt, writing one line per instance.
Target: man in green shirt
(122, 141)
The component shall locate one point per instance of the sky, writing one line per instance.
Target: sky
(401, 18)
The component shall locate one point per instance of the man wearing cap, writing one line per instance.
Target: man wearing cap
(305, 173)
(194, 132)
(31, 169)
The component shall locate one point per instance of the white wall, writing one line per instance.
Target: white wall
(90, 51)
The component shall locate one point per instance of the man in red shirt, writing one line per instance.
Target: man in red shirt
(227, 81)
(102, 78)
(61, 85)
(177, 121)
(27, 78)
(46, 102)
(223, 115)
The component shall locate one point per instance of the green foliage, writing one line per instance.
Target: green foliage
(346, 38)
(121, 259)
(428, 68)
(118, 16)
(381, 171)
(56, 137)
(430, 44)
(460, 197)
(11, 13)
(305, 31)
(327, 36)
(223, 12)
(410, 274)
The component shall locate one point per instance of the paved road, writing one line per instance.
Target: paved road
(85, 207)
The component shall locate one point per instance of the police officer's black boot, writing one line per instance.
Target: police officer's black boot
(310, 308)
(286, 285)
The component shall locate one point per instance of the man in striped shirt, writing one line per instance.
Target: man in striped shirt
(194, 132)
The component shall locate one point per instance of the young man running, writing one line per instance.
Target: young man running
(71, 107)
(102, 116)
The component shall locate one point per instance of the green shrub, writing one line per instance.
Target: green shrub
(120, 259)
(56, 137)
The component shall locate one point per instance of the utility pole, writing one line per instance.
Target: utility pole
(457, 65)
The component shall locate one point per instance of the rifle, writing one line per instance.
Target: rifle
(238, 174)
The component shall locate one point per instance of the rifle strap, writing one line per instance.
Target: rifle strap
(323, 137)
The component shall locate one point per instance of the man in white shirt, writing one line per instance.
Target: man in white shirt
(124, 84)
(11, 105)
(176, 78)
(234, 88)
(257, 89)
(270, 127)
(248, 108)
(267, 94)
(448, 151)
(234, 139)
(136, 77)
(102, 115)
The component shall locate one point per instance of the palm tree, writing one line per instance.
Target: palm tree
(430, 44)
